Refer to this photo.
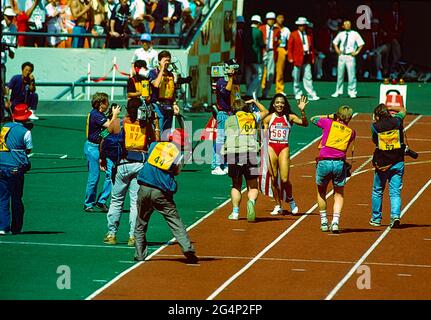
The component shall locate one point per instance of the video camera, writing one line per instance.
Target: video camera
(411, 153)
(145, 113)
(223, 70)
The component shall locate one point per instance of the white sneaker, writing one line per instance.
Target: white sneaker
(218, 172)
(277, 210)
(313, 98)
(335, 95)
(293, 207)
(226, 170)
(233, 216)
(379, 75)
(352, 96)
(33, 116)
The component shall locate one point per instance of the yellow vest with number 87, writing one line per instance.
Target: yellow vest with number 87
(389, 140)
(135, 137)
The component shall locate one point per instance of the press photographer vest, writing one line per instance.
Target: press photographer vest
(241, 133)
(142, 86)
(164, 156)
(338, 137)
(167, 88)
(388, 137)
(135, 137)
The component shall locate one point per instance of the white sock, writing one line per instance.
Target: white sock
(336, 218)
(323, 218)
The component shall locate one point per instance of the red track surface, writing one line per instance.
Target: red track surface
(305, 263)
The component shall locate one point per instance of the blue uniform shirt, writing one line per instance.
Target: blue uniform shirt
(18, 89)
(18, 139)
(222, 96)
(95, 122)
(157, 178)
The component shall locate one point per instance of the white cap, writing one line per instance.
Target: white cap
(301, 21)
(256, 18)
(270, 15)
(9, 12)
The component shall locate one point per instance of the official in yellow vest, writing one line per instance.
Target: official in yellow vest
(331, 163)
(137, 136)
(241, 147)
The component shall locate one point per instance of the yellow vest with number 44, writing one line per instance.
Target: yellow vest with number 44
(163, 155)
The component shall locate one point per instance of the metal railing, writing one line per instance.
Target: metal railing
(83, 84)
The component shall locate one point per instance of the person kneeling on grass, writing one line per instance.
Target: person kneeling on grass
(331, 163)
(240, 149)
(156, 192)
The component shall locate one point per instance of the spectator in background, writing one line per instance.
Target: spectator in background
(253, 39)
(376, 51)
(271, 36)
(394, 23)
(300, 51)
(35, 10)
(239, 44)
(146, 53)
(118, 26)
(281, 54)
(109, 6)
(81, 11)
(348, 44)
(54, 21)
(99, 23)
(167, 14)
(326, 57)
(23, 89)
(8, 42)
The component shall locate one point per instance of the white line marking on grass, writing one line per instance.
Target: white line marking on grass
(219, 198)
(374, 245)
(30, 155)
(63, 245)
(64, 156)
(100, 281)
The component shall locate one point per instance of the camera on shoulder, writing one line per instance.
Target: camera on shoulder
(409, 152)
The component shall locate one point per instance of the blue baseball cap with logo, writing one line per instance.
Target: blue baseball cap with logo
(146, 37)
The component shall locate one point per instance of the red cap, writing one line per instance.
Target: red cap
(21, 112)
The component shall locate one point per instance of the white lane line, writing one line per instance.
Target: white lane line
(427, 239)
(64, 245)
(403, 275)
(240, 230)
(300, 270)
(374, 246)
(94, 294)
(362, 204)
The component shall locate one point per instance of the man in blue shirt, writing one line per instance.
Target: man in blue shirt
(96, 123)
(23, 89)
(156, 192)
(15, 144)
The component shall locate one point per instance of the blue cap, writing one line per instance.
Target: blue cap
(146, 37)
(240, 19)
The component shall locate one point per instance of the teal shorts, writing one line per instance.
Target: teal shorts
(331, 170)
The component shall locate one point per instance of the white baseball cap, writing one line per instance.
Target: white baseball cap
(301, 21)
(256, 18)
(270, 15)
(9, 12)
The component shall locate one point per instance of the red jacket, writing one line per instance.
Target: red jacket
(295, 49)
(275, 38)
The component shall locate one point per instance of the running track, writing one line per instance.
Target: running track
(288, 257)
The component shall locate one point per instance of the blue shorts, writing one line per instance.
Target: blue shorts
(331, 170)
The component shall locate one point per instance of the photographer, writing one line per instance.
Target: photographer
(96, 122)
(388, 161)
(138, 86)
(136, 132)
(22, 89)
(15, 145)
(331, 163)
(163, 92)
(226, 92)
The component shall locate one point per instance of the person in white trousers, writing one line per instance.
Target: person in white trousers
(348, 44)
(300, 52)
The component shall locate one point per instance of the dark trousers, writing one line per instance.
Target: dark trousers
(11, 192)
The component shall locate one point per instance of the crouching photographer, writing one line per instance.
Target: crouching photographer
(133, 135)
(388, 161)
